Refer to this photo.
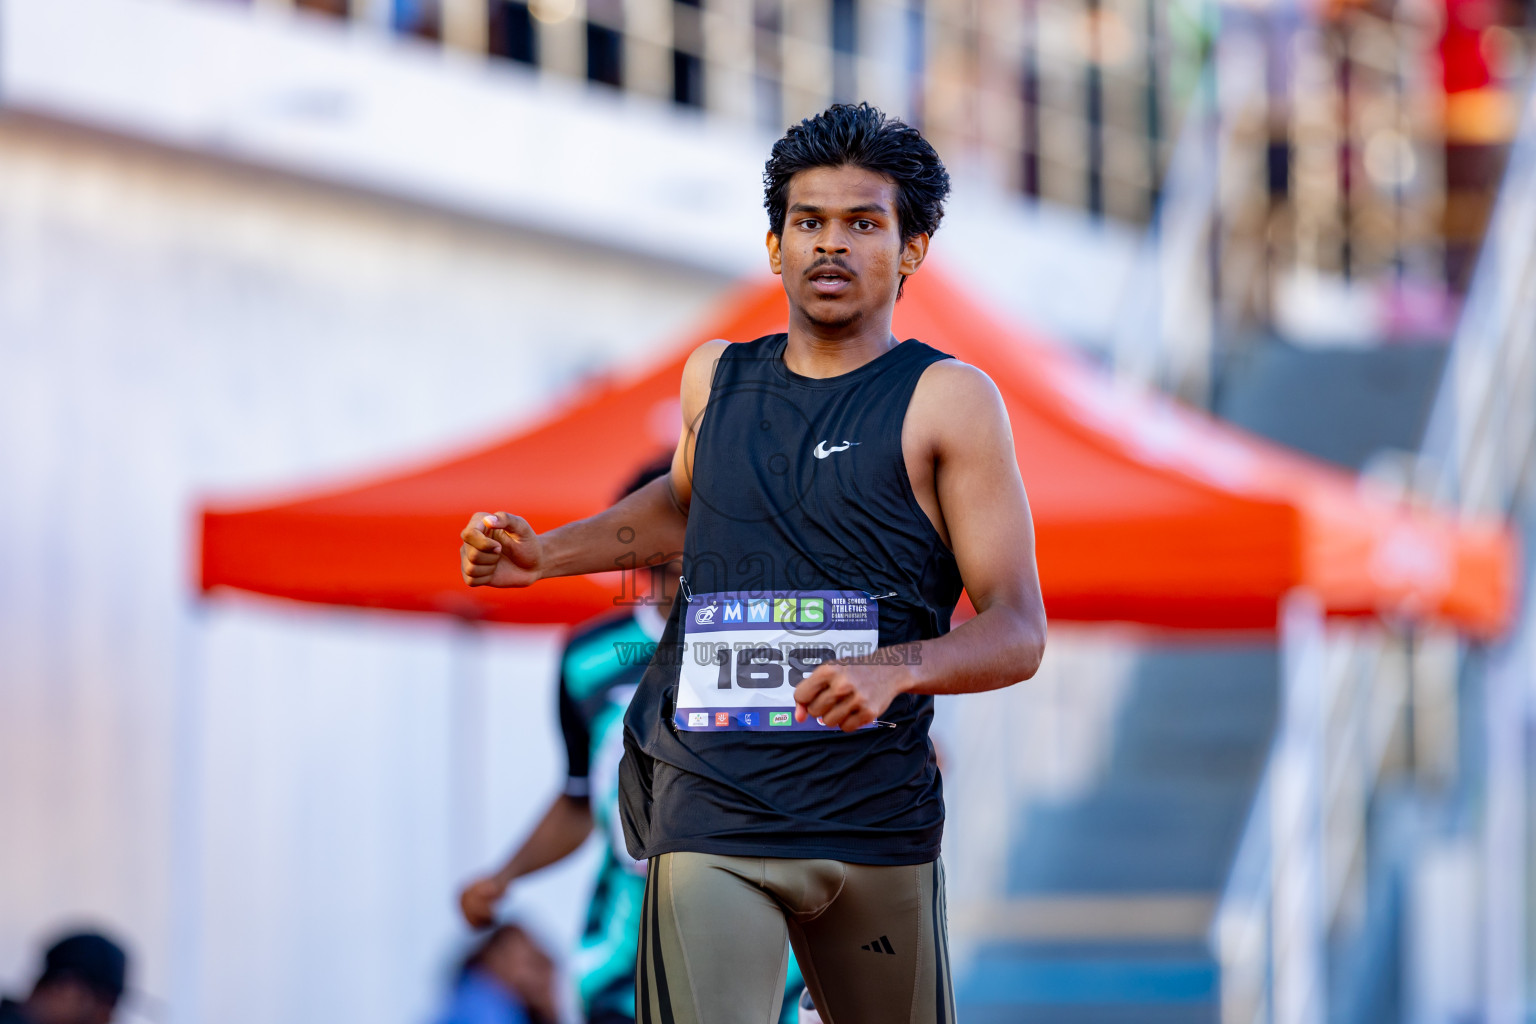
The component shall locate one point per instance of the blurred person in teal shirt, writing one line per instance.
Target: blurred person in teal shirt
(599, 669)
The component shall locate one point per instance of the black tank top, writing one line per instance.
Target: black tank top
(803, 532)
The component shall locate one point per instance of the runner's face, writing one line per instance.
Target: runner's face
(841, 253)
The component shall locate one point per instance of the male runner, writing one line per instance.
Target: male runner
(832, 492)
(599, 669)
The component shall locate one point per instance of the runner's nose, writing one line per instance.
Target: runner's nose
(831, 240)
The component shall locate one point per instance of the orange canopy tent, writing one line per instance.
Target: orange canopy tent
(1145, 512)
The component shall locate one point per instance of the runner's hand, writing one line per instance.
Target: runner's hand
(499, 550)
(479, 898)
(848, 697)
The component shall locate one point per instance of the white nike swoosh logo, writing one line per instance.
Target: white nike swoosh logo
(822, 451)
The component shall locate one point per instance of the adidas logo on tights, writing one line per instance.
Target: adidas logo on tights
(880, 945)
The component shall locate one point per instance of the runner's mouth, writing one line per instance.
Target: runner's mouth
(829, 281)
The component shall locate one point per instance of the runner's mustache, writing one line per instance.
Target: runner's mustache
(830, 261)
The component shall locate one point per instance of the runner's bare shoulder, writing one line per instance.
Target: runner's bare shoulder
(952, 396)
(698, 374)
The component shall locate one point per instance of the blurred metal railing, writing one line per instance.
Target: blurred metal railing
(1166, 323)
(1300, 863)
(1479, 443)
(1168, 319)
(1478, 455)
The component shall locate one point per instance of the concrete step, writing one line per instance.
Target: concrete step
(1163, 983)
(1109, 894)
(1338, 404)
(1190, 741)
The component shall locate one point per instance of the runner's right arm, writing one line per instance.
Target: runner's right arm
(502, 550)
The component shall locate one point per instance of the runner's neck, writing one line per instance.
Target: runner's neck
(818, 350)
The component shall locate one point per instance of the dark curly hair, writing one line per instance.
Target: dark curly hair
(846, 134)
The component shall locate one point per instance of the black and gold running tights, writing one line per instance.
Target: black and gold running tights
(870, 940)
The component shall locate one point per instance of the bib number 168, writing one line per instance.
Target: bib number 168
(764, 667)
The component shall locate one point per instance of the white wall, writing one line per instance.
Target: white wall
(311, 96)
(259, 795)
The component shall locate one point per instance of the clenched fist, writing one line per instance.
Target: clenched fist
(848, 697)
(478, 899)
(499, 550)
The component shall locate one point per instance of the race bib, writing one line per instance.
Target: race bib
(745, 652)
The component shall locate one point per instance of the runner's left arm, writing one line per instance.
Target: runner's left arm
(985, 513)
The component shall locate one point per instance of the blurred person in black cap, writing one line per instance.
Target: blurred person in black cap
(83, 977)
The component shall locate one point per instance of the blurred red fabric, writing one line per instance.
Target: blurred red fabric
(1145, 511)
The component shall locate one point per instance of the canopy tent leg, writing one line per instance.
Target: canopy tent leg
(467, 763)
